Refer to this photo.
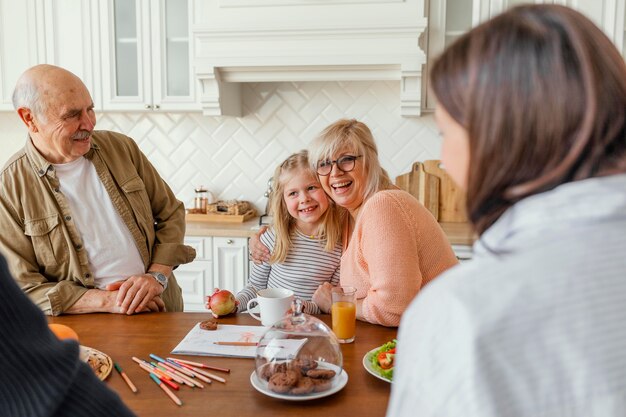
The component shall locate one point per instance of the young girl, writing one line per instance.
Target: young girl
(304, 239)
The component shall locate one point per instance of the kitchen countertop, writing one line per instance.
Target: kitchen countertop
(457, 233)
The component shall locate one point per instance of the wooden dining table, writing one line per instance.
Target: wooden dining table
(122, 337)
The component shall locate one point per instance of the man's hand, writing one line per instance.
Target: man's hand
(259, 253)
(104, 301)
(138, 293)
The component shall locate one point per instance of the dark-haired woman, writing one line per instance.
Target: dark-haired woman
(532, 109)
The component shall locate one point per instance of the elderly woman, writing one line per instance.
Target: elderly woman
(532, 110)
(392, 245)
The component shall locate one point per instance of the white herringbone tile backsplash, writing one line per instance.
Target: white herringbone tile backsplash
(234, 157)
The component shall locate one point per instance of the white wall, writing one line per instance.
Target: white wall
(234, 157)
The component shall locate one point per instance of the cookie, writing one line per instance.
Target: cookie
(320, 385)
(282, 382)
(273, 368)
(305, 385)
(321, 373)
(208, 325)
(303, 365)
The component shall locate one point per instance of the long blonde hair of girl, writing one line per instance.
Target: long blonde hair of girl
(284, 224)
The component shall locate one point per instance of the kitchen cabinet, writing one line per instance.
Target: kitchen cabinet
(45, 31)
(221, 262)
(146, 55)
(241, 41)
(18, 44)
(449, 19)
(230, 255)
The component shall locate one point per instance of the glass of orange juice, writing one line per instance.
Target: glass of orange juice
(343, 312)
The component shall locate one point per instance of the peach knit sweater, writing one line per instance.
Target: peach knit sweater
(396, 248)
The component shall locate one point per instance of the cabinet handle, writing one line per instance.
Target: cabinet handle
(148, 106)
(156, 106)
(230, 242)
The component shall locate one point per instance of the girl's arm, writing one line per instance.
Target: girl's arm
(258, 281)
(243, 296)
(259, 275)
(309, 307)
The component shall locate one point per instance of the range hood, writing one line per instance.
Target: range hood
(238, 41)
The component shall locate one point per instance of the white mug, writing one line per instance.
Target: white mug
(273, 303)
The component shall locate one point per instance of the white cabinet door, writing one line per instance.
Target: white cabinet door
(20, 44)
(173, 86)
(146, 55)
(126, 59)
(72, 40)
(58, 32)
(230, 257)
(196, 278)
(221, 262)
(449, 19)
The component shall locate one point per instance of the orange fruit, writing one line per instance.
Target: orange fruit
(62, 331)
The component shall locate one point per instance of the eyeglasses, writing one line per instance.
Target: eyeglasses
(345, 164)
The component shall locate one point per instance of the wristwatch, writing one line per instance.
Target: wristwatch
(160, 277)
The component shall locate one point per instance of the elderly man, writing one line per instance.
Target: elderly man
(88, 225)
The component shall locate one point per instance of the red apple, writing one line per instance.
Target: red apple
(221, 303)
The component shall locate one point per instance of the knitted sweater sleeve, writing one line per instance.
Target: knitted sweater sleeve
(42, 376)
(395, 237)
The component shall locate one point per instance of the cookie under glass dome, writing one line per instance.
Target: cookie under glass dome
(299, 357)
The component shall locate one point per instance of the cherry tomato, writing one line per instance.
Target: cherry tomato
(385, 359)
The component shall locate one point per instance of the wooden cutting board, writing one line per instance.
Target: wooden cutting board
(423, 186)
(220, 217)
(451, 197)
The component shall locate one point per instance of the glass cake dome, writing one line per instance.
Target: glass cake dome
(299, 357)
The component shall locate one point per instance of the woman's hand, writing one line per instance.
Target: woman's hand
(259, 253)
(323, 298)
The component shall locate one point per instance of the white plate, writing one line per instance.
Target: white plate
(367, 364)
(339, 382)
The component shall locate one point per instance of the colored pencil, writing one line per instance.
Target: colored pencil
(209, 375)
(200, 365)
(171, 384)
(149, 368)
(236, 343)
(159, 370)
(125, 377)
(199, 372)
(169, 393)
(178, 370)
(187, 380)
(152, 369)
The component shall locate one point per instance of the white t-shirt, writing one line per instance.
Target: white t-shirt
(111, 250)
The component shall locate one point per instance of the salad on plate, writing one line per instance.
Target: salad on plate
(381, 360)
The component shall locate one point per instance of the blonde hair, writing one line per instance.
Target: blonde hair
(284, 224)
(352, 136)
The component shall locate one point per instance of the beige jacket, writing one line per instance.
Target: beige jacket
(43, 246)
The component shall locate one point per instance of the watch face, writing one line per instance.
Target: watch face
(160, 277)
